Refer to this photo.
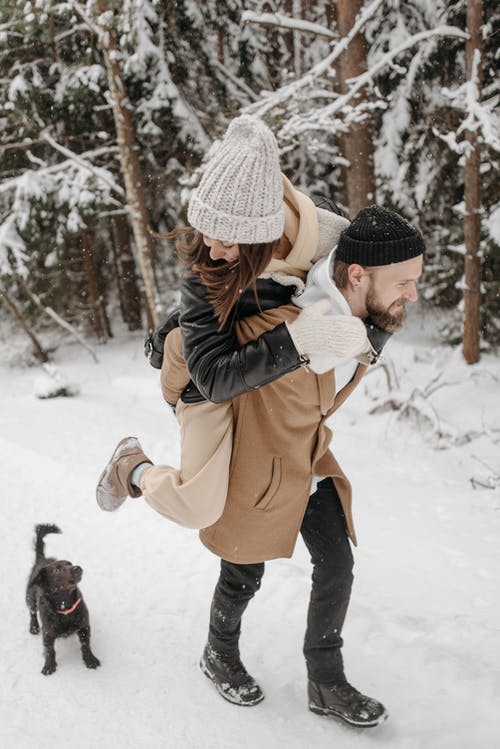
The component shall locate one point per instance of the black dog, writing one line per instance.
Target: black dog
(53, 592)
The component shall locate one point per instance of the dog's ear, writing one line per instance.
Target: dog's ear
(39, 578)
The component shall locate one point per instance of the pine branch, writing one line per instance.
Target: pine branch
(356, 84)
(84, 164)
(290, 90)
(13, 183)
(73, 30)
(478, 113)
(88, 20)
(237, 81)
(280, 21)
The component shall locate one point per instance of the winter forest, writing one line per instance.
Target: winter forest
(108, 111)
(109, 108)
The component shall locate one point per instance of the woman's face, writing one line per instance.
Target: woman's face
(227, 251)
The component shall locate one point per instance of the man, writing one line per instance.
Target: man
(373, 272)
(280, 447)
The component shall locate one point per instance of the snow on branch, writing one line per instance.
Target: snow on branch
(190, 120)
(272, 100)
(388, 58)
(72, 189)
(12, 249)
(151, 59)
(302, 123)
(100, 34)
(73, 30)
(285, 22)
(489, 480)
(479, 116)
(101, 174)
(414, 404)
(236, 81)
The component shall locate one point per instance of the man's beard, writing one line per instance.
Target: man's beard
(389, 318)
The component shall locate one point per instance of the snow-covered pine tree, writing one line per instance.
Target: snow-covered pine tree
(56, 149)
(419, 165)
(189, 66)
(472, 182)
(306, 32)
(181, 65)
(415, 53)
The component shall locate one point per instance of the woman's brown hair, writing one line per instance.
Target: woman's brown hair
(224, 281)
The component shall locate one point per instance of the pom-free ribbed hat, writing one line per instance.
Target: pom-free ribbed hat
(377, 236)
(240, 196)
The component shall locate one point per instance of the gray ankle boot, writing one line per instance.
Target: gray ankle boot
(344, 702)
(114, 485)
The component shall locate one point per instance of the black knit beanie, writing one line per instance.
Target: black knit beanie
(377, 236)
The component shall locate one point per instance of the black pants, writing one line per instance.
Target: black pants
(324, 532)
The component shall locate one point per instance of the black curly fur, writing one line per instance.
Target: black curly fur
(52, 590)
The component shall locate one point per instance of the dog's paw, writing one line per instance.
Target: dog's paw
(92, 662)
(49, 668)
(35, 629)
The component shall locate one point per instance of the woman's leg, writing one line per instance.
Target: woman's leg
(194, 495)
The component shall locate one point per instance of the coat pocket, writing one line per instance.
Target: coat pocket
(273, 487)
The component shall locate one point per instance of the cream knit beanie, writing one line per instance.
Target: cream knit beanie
(240, 196)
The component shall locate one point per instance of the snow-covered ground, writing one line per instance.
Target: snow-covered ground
(422, 629)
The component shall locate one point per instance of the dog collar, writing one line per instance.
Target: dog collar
(65, 612)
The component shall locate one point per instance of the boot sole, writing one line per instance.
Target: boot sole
(223, 694)
(326, 712)
(101, 501)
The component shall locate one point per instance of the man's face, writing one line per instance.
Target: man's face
(390, 287)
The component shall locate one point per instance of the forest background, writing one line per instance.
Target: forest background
(108, 109)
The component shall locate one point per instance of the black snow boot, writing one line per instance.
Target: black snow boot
(344, 702)
(230, 678)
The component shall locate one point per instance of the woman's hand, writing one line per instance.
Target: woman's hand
(328, 340)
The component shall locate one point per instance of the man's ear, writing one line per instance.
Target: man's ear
(355, 273)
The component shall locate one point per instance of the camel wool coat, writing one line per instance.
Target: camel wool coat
(280, 442)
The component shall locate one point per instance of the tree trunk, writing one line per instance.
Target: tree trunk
(289, 36)
(332, 24)
(357, 144)
(273, 56)
(221, 56)
(330, 13)
(130, 298)
(304, 11)
(99, 317)
(9, 304)
(131, 169)
(472, 193)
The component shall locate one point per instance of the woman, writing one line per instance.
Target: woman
(268, 237)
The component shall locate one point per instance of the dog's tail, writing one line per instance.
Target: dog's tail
(41, 531)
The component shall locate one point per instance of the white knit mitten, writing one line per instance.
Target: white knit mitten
(327, 340)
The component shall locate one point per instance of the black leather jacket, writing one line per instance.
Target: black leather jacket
(220, 368)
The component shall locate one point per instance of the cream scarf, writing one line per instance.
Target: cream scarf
(301, 229)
